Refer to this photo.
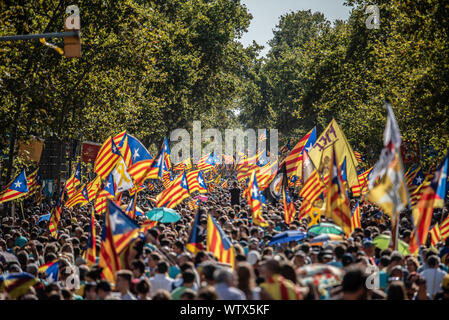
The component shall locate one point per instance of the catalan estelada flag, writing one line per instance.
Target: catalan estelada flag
(195, 180)
(355, 218)
(433, 197)
(74, 181)
(311, 190)
(289, 207)
(218, 243)
(362, 187)
(16, 189)
(337, 204)
(108, 156)
(56, 216)
(51, 271)
(158, 167)
(136, 150)
(206, 162)
(358, 156)
(131, 208)
(167, 179)
(255, 202)
(411, 173)
(266, 174)
(195, 241)
(293, 159)
(435, 234)
(444, 229)
(174, 195)
(91, 250)
(80, 197)
(193, 204)
(34, 182)
(166, 149)
(16, 284)
(118, 231)
(183, 165)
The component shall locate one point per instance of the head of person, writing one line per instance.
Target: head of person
(188, 278)
(369, 248)
(90, 291)
(161, 294)
(396, 259)
(162, 267)
(299, 259)
(138, 268)
(269, 268)
(354, 284)
(225, 276)
(396, 291)
(207, 293)
(207, 273)
(143, 288)
(397, 273)
(412, 264)
(188, 294)
(103, 289)
(433, 261)
(123, 280)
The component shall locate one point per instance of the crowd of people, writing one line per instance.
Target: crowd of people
(158, 266)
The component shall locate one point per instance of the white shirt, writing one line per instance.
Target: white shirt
(161, 281)
(434, 278)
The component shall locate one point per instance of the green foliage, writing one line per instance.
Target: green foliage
(146, 66)
(315, 72)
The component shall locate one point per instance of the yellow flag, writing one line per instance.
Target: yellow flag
(321, 152)
(391, 192)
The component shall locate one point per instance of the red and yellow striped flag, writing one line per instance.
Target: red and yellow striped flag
(15, 189)
(289, 207)
(108, 155)
(435, 235)
(312, 189)
(56, 216)
(293, 159)
(91, 252)
(337, 204)
(355, 218)
(218, 243)
(254, 202)
(444, 229)
(175, 194)
(362, 187)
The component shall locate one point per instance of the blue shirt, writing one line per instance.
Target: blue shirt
(226, 292)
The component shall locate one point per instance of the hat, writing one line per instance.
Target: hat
(347, 259)
(252, 257)
(367, 244)
(20, 241)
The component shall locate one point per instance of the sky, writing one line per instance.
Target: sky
(266, 14)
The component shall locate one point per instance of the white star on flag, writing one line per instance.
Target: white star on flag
(18, 184)
(255, 192)
(114, 220)
(136, 153)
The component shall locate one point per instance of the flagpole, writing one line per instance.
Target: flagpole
(21, 206)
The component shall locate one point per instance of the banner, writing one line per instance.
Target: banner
(321, 152)
(89, 151)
